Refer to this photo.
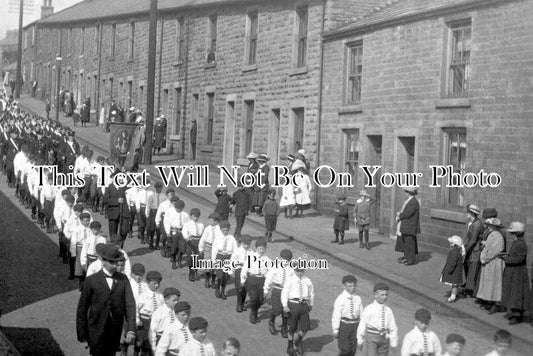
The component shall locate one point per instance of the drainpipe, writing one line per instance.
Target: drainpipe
(98, 79)
(320, 78)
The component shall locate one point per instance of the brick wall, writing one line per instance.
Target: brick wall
(401, 96)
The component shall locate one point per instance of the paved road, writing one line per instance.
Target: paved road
(57, 312)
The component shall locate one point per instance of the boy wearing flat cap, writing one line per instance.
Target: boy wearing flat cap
(164, 316)
(346, 315)
(205, 246)
(275, 280)
(153, 200)
(150, 301)
(454, 345)
(240, 255)
(177, 334)
(192, 232)
(174, 220)
(421, 340)
(223, 248)
(377, 330)
(198, 345)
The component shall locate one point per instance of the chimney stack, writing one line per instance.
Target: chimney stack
(47, 9)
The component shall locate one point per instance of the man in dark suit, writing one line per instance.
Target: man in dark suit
(70, 150)
(118, 212)
(242, 207)
(409, 220)
(194, 131)
(106, 304)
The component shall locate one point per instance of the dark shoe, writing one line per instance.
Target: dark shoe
(252, 318)
(217, 289)
(151, 247)
(239, 308)
(270, 239)
(206, 284)
(272, 326)
(367, 246)
(334, 241)
(298, 346)
(341, 242)
(71, 278)
(191, 276)
(408, 263)
(515, 320)
(361, 243)
(284, 332)
(290, 350)
(223, 293)
(174, 265)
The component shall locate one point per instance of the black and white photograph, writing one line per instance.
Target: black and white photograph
(266, 177)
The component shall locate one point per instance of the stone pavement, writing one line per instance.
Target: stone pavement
(315, 231)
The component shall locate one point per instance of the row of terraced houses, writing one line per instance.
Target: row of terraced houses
(403, 84)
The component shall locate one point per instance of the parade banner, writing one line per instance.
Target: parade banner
(124, 140)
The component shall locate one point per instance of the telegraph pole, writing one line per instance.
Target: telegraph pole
(18, 79)
(152, 44)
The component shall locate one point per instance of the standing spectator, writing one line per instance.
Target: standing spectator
(47, 109)
(342, 219)
(490, 280)
(242, 207)
(101, 118)
(224, 203)
(288, 201)
(515, 282)
(260, 192)
(33, 88)
(106, 301)
(160, 133)
(472, 242)
(193, 133)
(452, 273)
(408, 219)
(302, 192)
(362, 218)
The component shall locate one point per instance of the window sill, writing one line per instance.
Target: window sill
(130, 61)
(298, 71)
(210, 65)
(206, 148)
(351, 109)
(448, 215)
(450, 103)
(175, 137)
(111, 58)
(81, 56)
(249, 67)
(177, 63)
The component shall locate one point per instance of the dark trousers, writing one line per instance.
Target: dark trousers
(347, 339)
(254, 287)
(177, 247)
(85, 191)
(63, 245)
(222, 276)
(192, 249)
(133, 214)
(113, 225)
(240, 223)
(241, 291)
(109, 341)
(141, 222)
(409, 248)
(375, 345)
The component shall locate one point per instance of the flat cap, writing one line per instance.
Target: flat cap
(423, 315)
(260, 242)
(78, 207)
(195, 212)
(180, 204)
(70, 199)
(349, 279)
(246, 239)
(138, 268)
(158, 185)
(198, 323)
(174, 198)
(154, 276)
(181, 306)
(214, 216)
(225, 224)
(95, 225)
(450, 339)
(380, 286)
(171, 291)
(286, 254)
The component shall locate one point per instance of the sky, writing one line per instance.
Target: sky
(9, 19)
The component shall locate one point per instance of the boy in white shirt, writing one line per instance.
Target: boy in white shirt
(198, 345)
(88, 251)
(223, 248)
(192, 232)
(420, 340)
(77, 240)
(454, 345)
(178, 334)
(71, 225)
(164, 316)
(149, 302)
(347, 311)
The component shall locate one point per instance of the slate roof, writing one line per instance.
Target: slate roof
(405, 10)
(99, 9)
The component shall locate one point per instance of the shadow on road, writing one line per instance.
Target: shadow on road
(33, 341)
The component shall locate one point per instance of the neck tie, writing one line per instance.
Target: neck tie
(212, 234)
(225, 244)
(284, 274)
(140, 288)
(426, 352)
(154, 300)
(196, 226)
(202, 350)
(179, 220)
(172, 316)
(300, 285)
(157, 200)
(382, 317)
(185, 334)
(351, 307)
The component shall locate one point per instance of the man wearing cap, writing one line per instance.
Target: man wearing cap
(492, 265)
(106, 302)
(472, 245)
(177, 334)
(408, 219)
(260, 193)
(275, 280)
(164, 316)
(421, 340)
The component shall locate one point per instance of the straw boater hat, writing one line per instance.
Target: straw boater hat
(473, 209)
(456, 240)
(262, 158)
(516, 226)
(411, 190)
(494, 222)
(251, 155)
(363, 193)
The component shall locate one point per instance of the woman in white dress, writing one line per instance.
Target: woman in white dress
(302, 191)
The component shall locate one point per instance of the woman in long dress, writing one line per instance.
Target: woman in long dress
(302, 192)
(160, 133)
(492, 265)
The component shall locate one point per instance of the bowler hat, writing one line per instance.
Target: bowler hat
(111, 253)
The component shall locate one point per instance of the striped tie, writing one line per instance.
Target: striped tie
(140, 288)
(283, 277)
(185, 334)
(202, 350)
(301, 291)
(426, 352)
(154, 299)
(172, 317)
(383, 317)
(351, 307)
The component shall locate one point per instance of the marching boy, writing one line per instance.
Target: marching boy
(271, 211)
(138, 287)
(253, 278)
(192, 232)
(297, 298)
(205, 246)
(88, 251)
(150, 301)
(420, 340)
(173, 222)
(178, 334)
(198, 345)
(164, 316)
(275, 280)
(240, 255)
(377, 330)
(347, 312)
(223, 248)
